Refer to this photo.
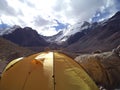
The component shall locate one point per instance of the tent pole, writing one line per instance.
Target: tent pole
(54, 71)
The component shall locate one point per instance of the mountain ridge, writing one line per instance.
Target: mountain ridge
(105, 36)
(81, 37)
(25, 37)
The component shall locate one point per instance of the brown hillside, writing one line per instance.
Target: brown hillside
(9, 50)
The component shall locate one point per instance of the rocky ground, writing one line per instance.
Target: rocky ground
(104, 68)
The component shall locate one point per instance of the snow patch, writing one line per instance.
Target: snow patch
(8, 30)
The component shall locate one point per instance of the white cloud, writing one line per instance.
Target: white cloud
(48, 31)
(79, 10)
(108, 9)
(6, 9)
(39, 21)
(40, 14)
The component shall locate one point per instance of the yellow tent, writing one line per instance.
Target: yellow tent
(45, 71)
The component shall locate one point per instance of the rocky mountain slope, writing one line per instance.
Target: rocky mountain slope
(103, 36)
(24, 36)
(9, 50)
(64, 35)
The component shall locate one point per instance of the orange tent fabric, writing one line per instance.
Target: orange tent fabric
(45, 71)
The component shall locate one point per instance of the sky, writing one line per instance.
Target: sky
(49, 17)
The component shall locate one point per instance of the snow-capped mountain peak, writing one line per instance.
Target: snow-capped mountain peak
(78, 27)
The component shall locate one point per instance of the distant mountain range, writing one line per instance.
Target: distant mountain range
(64, 35)
(103, 36)
(81, 37)
(88, 37)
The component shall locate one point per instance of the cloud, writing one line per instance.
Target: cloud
(6, 9)
(27, 3)
(55, 15)
(79, 10)
(117, 4)
(60, 25)
(48, 31)
(82, 10)
(108, 9)
(40, 21)
(48, 27)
